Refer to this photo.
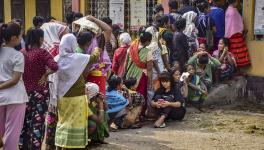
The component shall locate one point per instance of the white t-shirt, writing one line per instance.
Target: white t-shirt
(12, 61)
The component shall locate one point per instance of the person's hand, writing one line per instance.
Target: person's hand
(201, 53)
(43, 80)
(90, 17)
(165, 104)
(100, 98)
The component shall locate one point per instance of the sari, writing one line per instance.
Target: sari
(98, 71)
(137, 65)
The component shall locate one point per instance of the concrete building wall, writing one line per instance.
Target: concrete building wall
(256, 48)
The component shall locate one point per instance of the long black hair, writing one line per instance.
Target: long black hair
(33, 38)
(7, 31)
(165, 76)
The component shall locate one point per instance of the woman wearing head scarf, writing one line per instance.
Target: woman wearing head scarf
(234, 32)
(99, 70)
(53, 32)
(73, 111)
(98, 131)
(191, 31)
(120, 55)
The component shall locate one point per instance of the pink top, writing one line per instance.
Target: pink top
(233, 22)
(36, 63)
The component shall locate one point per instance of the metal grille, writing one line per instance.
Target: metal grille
(97, 8)
(150, 10)
(100, 8)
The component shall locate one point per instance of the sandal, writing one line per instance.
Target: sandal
(163, 125)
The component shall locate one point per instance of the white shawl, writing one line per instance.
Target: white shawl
(190, 26)
(71, 65)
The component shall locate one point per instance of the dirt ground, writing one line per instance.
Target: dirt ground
(232, 128)
(239, 127)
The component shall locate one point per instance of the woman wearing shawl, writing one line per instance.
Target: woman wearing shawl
(139, 64)
(73, 111)
(234, 32)
(99, 70)
(191, 31)
(53, 32)
(120, 55)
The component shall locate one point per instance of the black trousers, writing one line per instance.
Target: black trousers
(172, 112)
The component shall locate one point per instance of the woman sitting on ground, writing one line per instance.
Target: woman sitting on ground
(136, 103)
(116, 102)
(168, 101)
(97, 125)
(226, 58)
(204, 64)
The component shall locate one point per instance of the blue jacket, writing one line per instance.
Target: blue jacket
(116, 102)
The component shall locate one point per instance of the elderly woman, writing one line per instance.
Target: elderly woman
(120, 55)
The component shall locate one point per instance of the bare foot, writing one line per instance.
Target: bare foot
(159, 122)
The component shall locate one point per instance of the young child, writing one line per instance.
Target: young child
(181, 85)
(98, 126)
(168, 101)
(116, 101)
(197, 91)
(136, 103)
(226, 58)
(13, 96)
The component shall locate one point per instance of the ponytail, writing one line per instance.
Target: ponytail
(33, 37)
(9, 30)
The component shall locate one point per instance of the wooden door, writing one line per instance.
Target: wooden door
(18, 10)
(43, 8)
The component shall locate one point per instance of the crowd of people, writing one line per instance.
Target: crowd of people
(72, 83)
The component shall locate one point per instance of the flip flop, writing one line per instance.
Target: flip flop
(163, 125)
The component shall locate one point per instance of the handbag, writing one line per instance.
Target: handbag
(209, 36)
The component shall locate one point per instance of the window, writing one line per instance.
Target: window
(18, 10)
(43, 8)
(2, 10)
(94, 5)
